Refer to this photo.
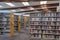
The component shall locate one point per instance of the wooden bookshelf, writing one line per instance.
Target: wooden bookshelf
(15, 23)
(45, 25)
(2, 23)
(19, 23)
(11, 24)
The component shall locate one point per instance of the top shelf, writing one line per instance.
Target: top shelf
(48, 14)
(45, 16)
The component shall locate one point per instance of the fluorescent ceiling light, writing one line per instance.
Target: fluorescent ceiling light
(25, 3)
(19, 13)
(26, 15)
(31, 8)
(1, 6)
(10, 4)
(43, 2)
(13, 10)
(22, 10)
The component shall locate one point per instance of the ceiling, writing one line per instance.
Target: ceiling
(25, 0)
(19, 7)
(19, 4)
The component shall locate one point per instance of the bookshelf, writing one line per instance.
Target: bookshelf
(19, 23)
(45, 25)
(15, 23)
(2, 24)
(5, 23)
(11, 24)
(22, 23)
(27, 23)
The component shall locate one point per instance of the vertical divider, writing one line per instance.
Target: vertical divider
(25, 23)
(11, 24)
(19, 23)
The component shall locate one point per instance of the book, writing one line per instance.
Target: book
(39, 36)
(58, 19)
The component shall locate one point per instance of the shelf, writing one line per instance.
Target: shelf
(35, 33)
(43, 25)
(48, 38)
(44, 21)
(46, 17)
(51, 34)
(35, 38)
(51, 29)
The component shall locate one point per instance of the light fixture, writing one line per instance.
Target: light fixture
(31, 8)
(43, 2)
(25, 3)
(10, 4)
(22, 10)
(26, 15)
(13, 10)
(19, 13)
(1, 6)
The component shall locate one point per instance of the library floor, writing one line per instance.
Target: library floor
(20, 36)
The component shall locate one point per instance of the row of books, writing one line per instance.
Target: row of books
(46, 36)
(35, 31)
(45, 19)
(45, 27)
(51, 28)
(46, 14)
(44, 23)
(39, 36)
(46, 32)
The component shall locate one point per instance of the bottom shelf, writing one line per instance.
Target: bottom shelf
(1, 33)
(35, 38)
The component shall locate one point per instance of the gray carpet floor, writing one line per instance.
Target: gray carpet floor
(20, 36)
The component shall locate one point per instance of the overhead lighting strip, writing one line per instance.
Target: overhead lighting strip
(13, 10)
(10, 4)
(25, 3)
(31, 8)
(1, 6)
(43, 2)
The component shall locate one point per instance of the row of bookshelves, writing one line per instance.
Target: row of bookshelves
(45, 25)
